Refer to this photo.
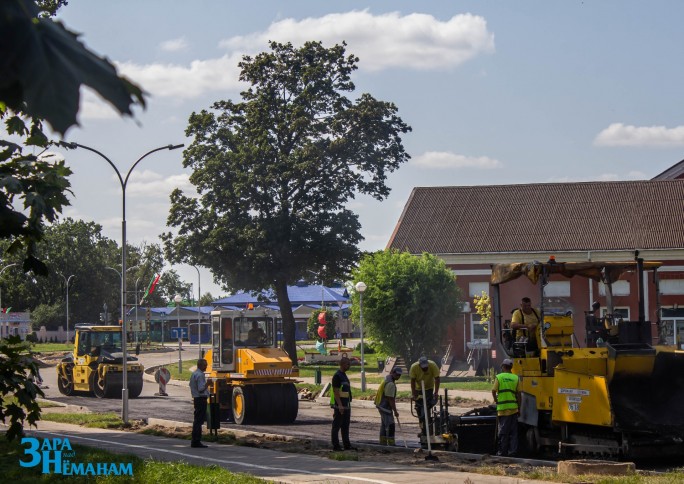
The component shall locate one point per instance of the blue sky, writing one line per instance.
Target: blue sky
(496, 92)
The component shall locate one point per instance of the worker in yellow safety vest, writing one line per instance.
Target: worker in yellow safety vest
(340, 401)
(506, 393)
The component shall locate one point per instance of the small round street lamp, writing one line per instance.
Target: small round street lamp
(360, 288)
(178, 299)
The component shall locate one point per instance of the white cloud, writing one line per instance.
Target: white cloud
(444, 160)
(618, 134)
(186, 82)
(149, 183)
(414, 41)
(174, 45)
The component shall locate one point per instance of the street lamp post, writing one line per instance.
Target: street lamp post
(123, 182)
(66, 282)
(360, 288)
(178, 300)
(163, 318)
(5, 317)
(137, 325)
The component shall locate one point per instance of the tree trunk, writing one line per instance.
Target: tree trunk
(289, 344)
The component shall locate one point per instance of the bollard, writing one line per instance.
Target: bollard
(213, 415)
(317, 376)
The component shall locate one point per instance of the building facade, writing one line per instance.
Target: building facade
(472, 228)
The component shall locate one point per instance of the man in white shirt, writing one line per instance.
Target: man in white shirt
(199, 389)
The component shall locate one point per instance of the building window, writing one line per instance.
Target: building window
(557, 289)
(618, 313)
(673, 287)
(672, 327)
(479, 332)
(477, 288)
(620, 288)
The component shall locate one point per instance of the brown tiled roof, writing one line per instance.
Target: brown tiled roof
(543, 217)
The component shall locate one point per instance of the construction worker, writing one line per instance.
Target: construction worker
(506, 393)
(385, 402)
(425, 371)
(340, 401)
(525, 322)
(199, 390)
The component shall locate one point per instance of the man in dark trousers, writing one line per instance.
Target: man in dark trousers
(340, 401)
(199, 389)
(506, 393)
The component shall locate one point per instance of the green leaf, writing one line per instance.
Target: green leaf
(49, 65)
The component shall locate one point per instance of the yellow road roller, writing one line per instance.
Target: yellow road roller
(96, 364)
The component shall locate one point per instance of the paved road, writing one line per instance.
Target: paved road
(313, 420)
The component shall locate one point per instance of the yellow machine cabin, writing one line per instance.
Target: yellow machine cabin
(96, 364)
(619, 395)
(254, 379)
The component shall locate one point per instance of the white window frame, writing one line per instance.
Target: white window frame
(557, 289)
(620, 288)
(477, 288)
(671, 287)
(604, 310)
(475, 319)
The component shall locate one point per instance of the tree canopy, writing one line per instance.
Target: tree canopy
(275, 170)
(78, 248)
(408, 303)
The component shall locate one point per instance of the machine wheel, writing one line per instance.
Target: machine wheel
(244, 405)
(290, 403)
(66, 384)
(266, 401)
(532, 441)
(97, 384)
(135, 386)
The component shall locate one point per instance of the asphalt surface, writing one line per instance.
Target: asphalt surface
(313, 420)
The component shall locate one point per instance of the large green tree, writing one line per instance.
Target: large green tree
(408, 303)
(275, 170)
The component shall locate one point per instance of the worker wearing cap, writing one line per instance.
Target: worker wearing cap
(387, 406)
(525, 322)
(425, 371)
(506, 393)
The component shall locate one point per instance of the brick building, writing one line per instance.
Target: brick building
(473, 227)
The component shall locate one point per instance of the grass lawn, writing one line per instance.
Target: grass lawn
(144, 470)
(187, 364)
(93, 420)
(51, 347)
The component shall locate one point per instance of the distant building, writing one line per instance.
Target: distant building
(675, 172)
(472, 227)
(15, 324)
(305, 299)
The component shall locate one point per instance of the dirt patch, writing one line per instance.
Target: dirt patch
(414, 457)
(46, 360)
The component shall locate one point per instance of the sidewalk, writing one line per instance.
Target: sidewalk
(267, 464)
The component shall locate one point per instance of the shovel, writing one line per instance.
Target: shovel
(402, 433)
(429, 457)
